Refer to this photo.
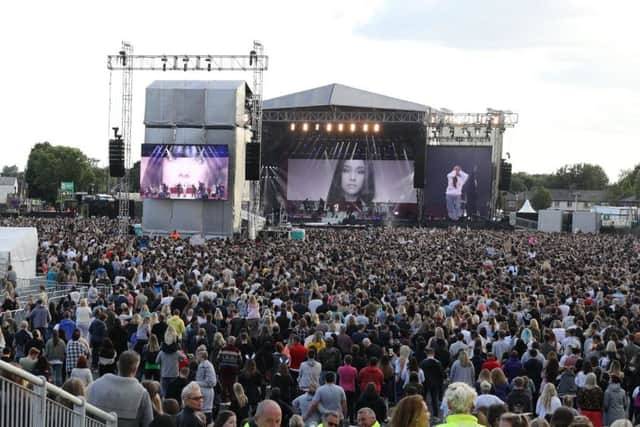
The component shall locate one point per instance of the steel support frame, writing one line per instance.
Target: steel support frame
(127, 62)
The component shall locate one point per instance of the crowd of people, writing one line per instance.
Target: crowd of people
(404, 326)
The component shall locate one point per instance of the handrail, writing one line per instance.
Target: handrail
(40, 381)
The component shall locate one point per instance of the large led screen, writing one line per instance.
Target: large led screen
(184, 172)
(351, 181)
(457, 181)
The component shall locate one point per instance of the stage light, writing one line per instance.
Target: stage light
(317, 127)
(340, 127)
(365, 127)
(305, 127)
(329, 127)
(376, 127)
(293, 126)
(352, 127)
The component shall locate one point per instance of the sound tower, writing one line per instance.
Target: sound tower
(418, 159)
(505, 175)
(116, 158)
(252, 162)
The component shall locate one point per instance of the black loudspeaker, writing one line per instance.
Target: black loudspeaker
(505, 175)
(116, 158)
(418, 163)
(252, 162)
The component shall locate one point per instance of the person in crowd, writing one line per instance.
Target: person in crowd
(519, 399)
(153, 388)
(511, 419)
(226, 419)
(207, 380)
(590, 399)
(371, 400)
(309, 372)
(268, 414)
(460, 399)
(75, 349)
(548, 401)
(411, 411)
(55, 351)
(191, 407)
(486, 399)
(616, 402)
(367, 418)
(302, 405)
(82, 372)
(462, 370)
(240, 403)
(131, 402)
(328, 397)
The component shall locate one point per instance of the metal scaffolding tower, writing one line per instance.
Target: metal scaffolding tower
(127, 62)
(256, 123)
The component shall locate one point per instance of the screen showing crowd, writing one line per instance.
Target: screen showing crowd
(184, 172)
(458, 182)
(351, 181)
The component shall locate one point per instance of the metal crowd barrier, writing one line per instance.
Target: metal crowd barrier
(37, 403)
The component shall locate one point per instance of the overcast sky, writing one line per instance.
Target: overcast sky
(570, 68)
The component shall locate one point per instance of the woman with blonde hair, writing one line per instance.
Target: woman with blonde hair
(590, 399)
(462, 370)
(411, 411)
(153, 388)
(548, 401)
(484, 375)
(500, 384)
(240, 402)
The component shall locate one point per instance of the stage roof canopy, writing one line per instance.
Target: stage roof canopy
(337, 95)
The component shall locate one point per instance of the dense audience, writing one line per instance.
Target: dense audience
(403, 326)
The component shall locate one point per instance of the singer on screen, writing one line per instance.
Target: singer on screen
(455, 182)
(352, 184)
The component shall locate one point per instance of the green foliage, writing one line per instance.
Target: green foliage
(541, 198)
(10, 170)
(627, 186)
(48, 165)
(579, 176)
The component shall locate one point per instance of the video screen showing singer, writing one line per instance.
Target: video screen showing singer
(352, 185)
(455, 183)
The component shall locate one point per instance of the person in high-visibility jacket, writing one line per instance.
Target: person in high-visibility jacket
(330, 419)
(268, 414)
(460, 399)
(367, 418)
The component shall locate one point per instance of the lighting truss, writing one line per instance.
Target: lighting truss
(188, 62)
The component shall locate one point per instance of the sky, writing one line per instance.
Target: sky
(569, 67)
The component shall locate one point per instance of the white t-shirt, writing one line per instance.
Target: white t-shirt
(457, 188)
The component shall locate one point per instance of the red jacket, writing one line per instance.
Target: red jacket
(370, 374)
(297, 354)
(491, 365)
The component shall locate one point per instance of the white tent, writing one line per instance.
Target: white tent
(18, 247)
(527, 208)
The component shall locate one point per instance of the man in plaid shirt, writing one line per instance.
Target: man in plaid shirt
(75, 349)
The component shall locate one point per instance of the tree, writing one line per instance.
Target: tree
(10, 170)
(579, 176)
(628, 184)
(541, 198)
(48, 165)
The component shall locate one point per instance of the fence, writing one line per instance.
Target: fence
(57, 293)
(36, 403)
